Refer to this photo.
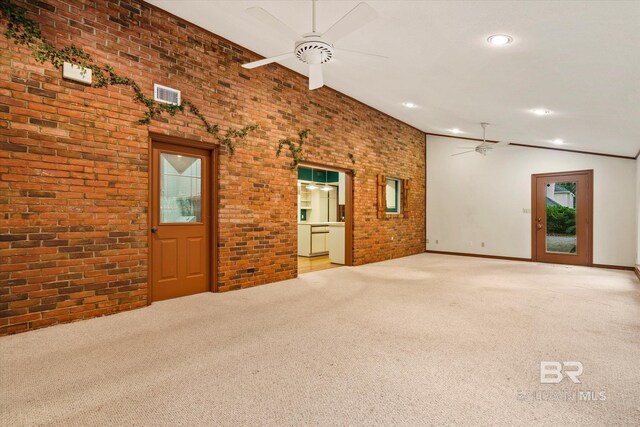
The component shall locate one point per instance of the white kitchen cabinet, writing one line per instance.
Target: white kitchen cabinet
(304, 239)
(336, 243)
(313, 239)
(323, 208)
(333, 206)
(319, 242)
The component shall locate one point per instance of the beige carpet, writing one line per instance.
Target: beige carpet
(423, 340)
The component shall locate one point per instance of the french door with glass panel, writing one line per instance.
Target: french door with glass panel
(180, 221)
(562, 206)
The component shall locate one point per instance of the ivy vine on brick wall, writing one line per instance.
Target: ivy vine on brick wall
(296, 150)
(352, 157)
(24, 31)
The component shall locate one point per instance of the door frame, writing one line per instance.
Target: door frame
(213, 205)
(348, 209)
(534, 202)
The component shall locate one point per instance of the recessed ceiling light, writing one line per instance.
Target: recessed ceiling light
(557, 141)
(456, 130)
(500, 39)
(409, 105)
(540, 112)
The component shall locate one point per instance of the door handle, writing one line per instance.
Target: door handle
(539, 226)
(154, 229)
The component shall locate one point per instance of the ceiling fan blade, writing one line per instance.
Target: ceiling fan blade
(464, 152)
(270, 20)
(266, 61)
(357, 17)
(315, 76)
(373, 55)
(490, 146)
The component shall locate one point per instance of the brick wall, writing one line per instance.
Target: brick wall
(74, 166)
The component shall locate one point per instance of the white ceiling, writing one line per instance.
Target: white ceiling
(581, 60)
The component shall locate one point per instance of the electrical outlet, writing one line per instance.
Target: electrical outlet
(427, 240)
(482, 244)
(526, 210)
(436, 242)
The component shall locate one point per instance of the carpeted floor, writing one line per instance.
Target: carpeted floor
(423, 340)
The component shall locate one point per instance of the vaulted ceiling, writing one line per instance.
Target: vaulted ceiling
(579, 60)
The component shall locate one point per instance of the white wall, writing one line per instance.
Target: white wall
(638, 211)
(475, 198)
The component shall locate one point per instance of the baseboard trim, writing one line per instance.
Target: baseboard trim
(510, 258)
(613, 267)
(506, 258)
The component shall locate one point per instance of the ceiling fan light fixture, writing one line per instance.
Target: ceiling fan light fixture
(311, 187)
(499, 39)
(409, 105)
(326, 188)
(456, 131)
(314, 48)
(557, 141)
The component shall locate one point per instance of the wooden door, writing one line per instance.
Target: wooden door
(562, 211)
(180, 221)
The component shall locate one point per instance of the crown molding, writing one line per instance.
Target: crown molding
(618, 156)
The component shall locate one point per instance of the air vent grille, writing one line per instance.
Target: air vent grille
(166, 94)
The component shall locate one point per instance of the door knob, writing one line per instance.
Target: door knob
(154, 229)
(539, 226)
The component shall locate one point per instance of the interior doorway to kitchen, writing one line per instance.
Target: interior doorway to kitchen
(325, 218)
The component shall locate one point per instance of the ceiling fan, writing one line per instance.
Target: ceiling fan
(315, 48)
(484, 147)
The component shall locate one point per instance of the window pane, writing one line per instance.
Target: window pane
(180, 188)
(561, 217)
(392, 195)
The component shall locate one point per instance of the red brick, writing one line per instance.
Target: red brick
(75, 179)
(24, 318)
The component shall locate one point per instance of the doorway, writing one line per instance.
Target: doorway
(561, 220)
(180, 220)
(325, 218)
